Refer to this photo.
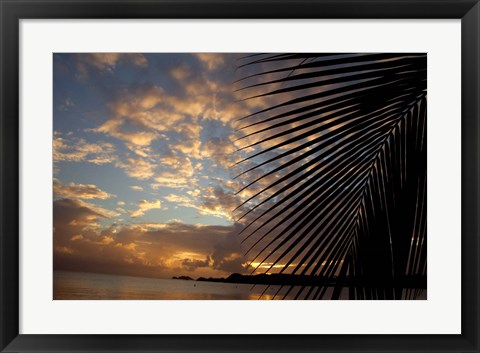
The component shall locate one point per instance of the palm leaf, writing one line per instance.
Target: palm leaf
(338, 170)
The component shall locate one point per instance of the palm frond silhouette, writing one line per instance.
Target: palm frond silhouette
(336, 171)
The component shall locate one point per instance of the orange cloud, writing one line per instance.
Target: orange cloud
(114, 128)
(71, 149)
(79, 191)
(219, 151)
(211, 60)
(102, 212)
(170, 180)
(144, 206)
(137, 168)
(177, 199)
(180, 72)
(145, 249)
(218, 202)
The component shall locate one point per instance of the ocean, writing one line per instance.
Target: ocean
(93, 286)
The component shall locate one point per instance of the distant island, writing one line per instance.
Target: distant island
(305, 280)
(185, 278)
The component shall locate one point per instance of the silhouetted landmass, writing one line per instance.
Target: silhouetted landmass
(302, 280)
(185, 278)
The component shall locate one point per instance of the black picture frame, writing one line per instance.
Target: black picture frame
(14, 10)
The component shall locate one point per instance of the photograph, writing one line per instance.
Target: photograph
(239, 176)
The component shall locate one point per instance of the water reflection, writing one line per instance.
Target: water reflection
(89, 286)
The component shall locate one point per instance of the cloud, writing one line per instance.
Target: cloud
(145, 116)
(211, 60)
(189, 147)
(63, 250)
(79, 191)
(114, 128)
(79, 246)
(192, 264)
(133, 121)
(219, 151)
(144, 206)
(106, 62)
(145, 249)
(72, 149)
(136, 188)
(138, 168)
(144, 113)
(74, 217)
(83, 242)
(172, 180)
(194, 193)
(180, 72)
(180, 164)
(218, 202)
(137, 59)
(178, 199)
(212, 201)
(102, 212)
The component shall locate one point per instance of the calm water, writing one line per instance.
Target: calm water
(75, 285)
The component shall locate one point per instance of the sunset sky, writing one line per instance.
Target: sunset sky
(208, 164)
(143, 155)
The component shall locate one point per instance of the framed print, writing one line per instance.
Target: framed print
(173, 235)
(226, 176)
